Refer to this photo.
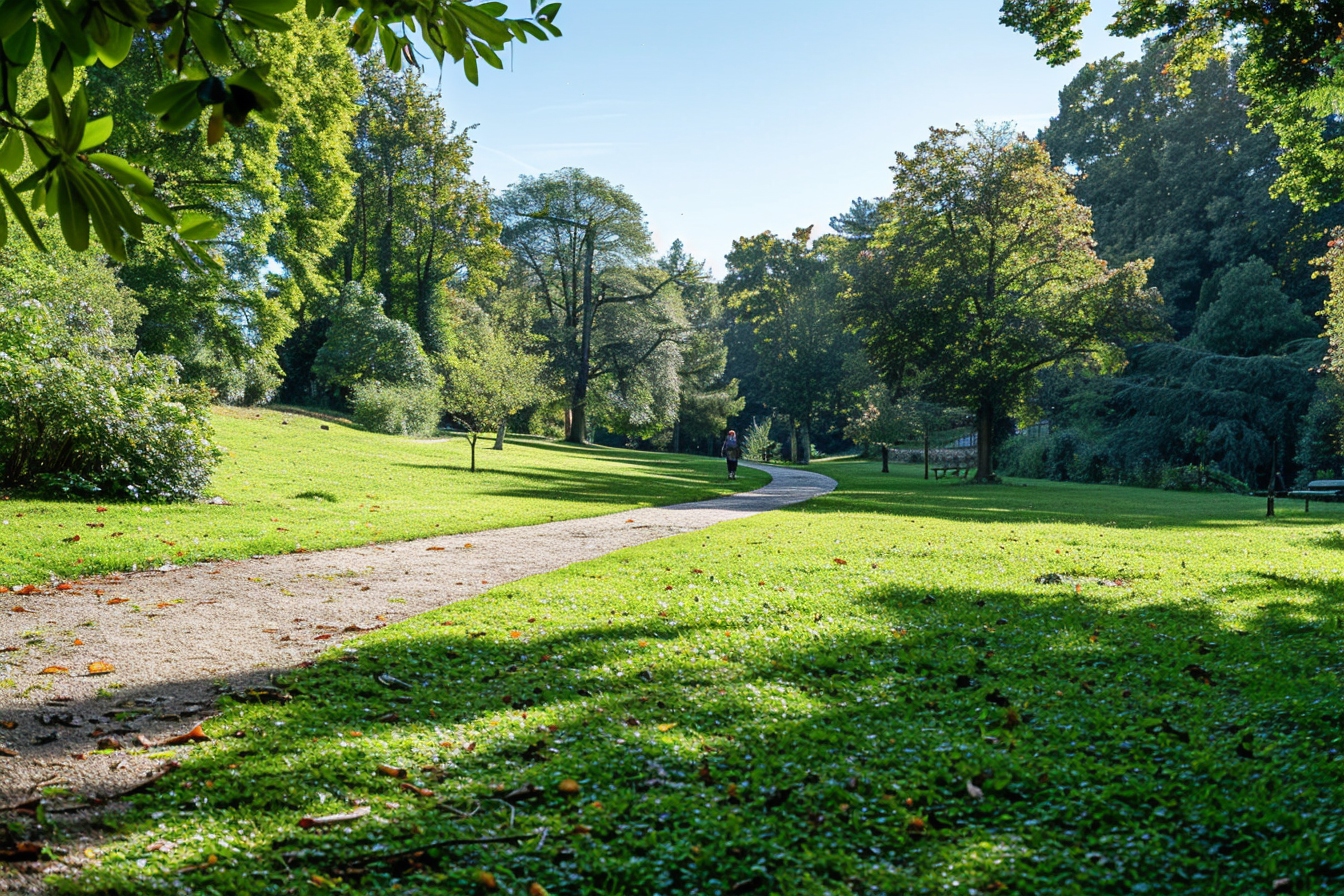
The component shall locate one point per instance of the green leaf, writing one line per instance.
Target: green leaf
(117, 47)
(79, 120)
(469, 64)
(96, 133)
(209, 39)
(15, 14)
(21, 45)
(155, 210)
(488, 54)
(264, 21)
(11, 152)
(69, 30)
(269, 7)
(123, 172)
(548, 12)
(73, 212)
(197, 226)
(21, 213)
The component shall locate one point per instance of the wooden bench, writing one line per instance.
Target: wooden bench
(963, 472)
(1320, 490)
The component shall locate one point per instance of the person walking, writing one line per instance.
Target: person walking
(732, 452)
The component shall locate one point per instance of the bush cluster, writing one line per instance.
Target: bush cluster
(79, 417)
(405, 410)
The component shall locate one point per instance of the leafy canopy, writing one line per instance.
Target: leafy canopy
(984, 273)
(1293, 70)
(213, 49)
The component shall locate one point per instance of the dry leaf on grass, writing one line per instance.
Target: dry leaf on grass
(309, 821)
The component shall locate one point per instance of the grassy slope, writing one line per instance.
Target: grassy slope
(744, 712)
(296, 484)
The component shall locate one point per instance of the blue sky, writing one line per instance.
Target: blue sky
(724, 118)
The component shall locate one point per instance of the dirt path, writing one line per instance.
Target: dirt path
(175, 640)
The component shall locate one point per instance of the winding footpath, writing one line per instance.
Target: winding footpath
(178, 639)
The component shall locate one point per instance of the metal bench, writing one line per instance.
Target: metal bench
(1320, 490)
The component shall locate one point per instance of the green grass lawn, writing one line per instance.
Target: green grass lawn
(868, 693)
(293, 484)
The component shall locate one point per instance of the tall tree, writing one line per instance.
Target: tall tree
(419, 222)
(983, 273)
(1180, 179)
(278, 190)
(786, 291)
(583, 247)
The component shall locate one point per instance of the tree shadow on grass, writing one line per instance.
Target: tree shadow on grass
(1037, 742)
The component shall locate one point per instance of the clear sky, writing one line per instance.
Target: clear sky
(725, 118)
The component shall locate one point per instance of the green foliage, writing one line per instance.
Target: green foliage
(212, 63)
(1292, 70)
(420, 230)
(984, 273)
(398, 410)
(927, 700)
(280, 188)
(786, 292)
(1178, 178)
(80, 417)
(365, 345)
(418, 488)
(1252, 315)
(582, 252)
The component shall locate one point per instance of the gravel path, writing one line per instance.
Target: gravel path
(177, 639)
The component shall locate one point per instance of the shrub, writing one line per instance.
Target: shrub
(78, 417)
(407, 410)
(1197, 478)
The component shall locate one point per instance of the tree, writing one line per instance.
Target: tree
(278, 190)
(491, 378)
(707, 400)
(220, 71)
(879, 421)
(786, 291)
(984, 273)
(364, 345)
(1291, 72)
(1251, 315)
(420, 227)
(1180, 179)
(582, 246)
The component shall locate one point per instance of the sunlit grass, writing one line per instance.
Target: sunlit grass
(291, 484)
(868, 693)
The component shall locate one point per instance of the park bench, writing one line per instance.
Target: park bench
(940, 472)
(1320, 490)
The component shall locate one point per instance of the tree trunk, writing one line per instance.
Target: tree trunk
(676, 437)
(499, 438)
(793, 443)
(805, 436)
(577, 430)
(886, 453)
(471, 437)
(984, 448)
(569, 422)
(926, 454)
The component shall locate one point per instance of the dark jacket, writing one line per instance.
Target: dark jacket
(732, 449)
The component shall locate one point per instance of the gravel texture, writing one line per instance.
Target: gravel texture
(174, 640)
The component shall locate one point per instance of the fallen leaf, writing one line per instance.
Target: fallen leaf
(486, 881)
(840, 561)
(71, 540)
(974, 792)
(28, 589)
(392, 771)
(309, 821)
(436, 548)
(418, 791)
(467, 545)
(118, 600)
(100, 510)
(569, 787)
(193, 736)
(65, 586)
(668, 726)
(18, 609)
(99, 668)
(534, 888)
(54, 670)
(515, 634)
